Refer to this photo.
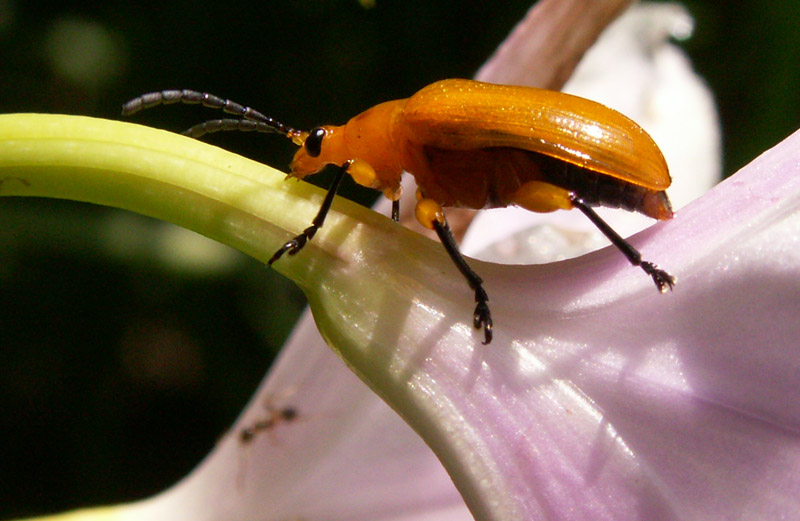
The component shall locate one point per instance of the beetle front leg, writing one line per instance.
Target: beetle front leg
(295, 245)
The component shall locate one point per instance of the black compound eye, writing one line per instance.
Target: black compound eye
(313, 142)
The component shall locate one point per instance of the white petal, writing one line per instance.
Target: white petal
(635, 69)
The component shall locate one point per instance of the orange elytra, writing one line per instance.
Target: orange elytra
(473, 145)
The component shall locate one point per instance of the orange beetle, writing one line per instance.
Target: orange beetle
(474, 145)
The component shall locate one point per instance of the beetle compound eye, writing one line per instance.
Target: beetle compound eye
(313, 142)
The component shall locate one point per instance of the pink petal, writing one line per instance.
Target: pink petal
(599, 399)
(346, 456)
(620, 403)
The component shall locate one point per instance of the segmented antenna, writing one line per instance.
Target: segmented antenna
(252, 120)
(221, 125)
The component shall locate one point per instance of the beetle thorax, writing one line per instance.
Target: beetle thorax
(370, 137)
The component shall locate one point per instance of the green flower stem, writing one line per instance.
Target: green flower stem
(381, 295)
(236, 201)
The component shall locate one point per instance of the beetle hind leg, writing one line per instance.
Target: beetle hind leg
(662, 279)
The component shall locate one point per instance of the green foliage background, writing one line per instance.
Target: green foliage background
(128, 350)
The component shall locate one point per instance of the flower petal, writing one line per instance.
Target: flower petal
(240, 203)
(345, 456)
(622, 403)
(687, 410)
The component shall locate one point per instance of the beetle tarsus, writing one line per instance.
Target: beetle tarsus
(482, 319)
(664, 281)
(295, 245)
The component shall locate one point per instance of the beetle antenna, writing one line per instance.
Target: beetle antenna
(222, 125)
(191, 97)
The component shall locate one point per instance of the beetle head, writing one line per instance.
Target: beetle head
(319, 147)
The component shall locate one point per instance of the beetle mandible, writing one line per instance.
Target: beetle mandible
(474, 145)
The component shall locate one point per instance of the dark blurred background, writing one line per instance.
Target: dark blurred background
(129, 345)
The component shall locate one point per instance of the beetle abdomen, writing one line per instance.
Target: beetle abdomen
(596, 189)
(489, 178)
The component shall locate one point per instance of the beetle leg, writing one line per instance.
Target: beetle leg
(542, 197)
(482, 318)
(394, 193)
(662, 279)
(429, 213)
(297, 244)
(363, 173)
